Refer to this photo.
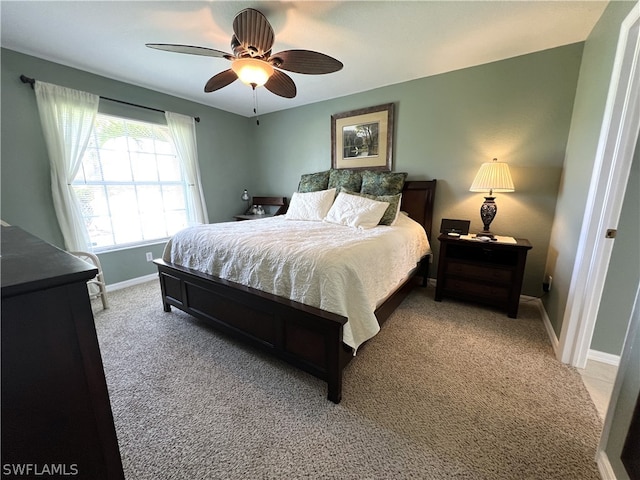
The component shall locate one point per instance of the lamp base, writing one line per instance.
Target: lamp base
(484, 234)
(488, 212)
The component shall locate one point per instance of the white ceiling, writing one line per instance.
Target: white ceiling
(380, 43)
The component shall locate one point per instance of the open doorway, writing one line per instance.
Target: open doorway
(616, 147)
(618, 296)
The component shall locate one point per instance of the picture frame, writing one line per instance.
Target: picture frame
(363, 139)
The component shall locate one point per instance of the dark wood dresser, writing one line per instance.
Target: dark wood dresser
(56, 414)
(487, 272)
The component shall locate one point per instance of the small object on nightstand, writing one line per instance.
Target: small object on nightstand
(485, 238)
(449, 225)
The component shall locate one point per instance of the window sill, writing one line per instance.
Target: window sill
(129, 246)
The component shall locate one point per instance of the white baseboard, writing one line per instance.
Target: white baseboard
(545, 320)
(604, 357)
(132, 282)
(604, 466)
(543, 313)
(595, 355)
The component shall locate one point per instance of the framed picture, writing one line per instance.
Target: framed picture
(363, 138)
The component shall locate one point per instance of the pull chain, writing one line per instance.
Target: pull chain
(255, 103)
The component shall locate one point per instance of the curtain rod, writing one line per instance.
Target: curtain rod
(32, 81)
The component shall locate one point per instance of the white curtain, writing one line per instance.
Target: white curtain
(67, 117)
(183, 132)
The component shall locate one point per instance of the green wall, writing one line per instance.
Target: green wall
(588, 113)
(517, 110)
(224, 154)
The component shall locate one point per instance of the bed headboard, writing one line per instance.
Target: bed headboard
(417, 200)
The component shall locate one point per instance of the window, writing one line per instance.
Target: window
(131, 185)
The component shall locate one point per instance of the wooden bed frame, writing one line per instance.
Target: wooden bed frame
(307, 337)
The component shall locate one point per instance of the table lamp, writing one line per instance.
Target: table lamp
(492, 177)
(245, 196)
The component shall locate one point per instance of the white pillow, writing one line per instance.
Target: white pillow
(356, 211)
(312, 206)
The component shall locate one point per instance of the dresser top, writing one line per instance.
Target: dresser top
(28, 263)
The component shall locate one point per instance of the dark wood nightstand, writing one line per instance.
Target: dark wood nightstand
(252, 217)
(280, 202)
(483, 271)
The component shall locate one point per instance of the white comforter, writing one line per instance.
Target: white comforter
(340, 269)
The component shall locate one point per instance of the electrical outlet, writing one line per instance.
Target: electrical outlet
(149, 257)
(546, 285)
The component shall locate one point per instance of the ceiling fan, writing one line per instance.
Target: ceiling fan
(252, 61)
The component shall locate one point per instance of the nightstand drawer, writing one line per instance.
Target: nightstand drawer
(493, 293)
(491, 274)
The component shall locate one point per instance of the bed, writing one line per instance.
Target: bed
(308, 331)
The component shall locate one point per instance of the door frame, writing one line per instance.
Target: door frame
(616, 145)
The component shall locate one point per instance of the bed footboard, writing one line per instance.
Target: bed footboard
(307, 337)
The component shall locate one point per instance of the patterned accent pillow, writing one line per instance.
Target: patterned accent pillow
(391, 213)
(349, 179)
(382, 183)
(314, 182)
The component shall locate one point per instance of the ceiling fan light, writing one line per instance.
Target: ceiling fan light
(252, 71)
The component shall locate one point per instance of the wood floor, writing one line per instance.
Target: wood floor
(598, 377)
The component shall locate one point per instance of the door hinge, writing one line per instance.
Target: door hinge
(611, 233)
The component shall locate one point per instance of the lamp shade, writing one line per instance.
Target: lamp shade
(493, 177)
(252, 71)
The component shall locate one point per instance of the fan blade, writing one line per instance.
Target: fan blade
(220, 80)
(281, 84)
(253, 31)
(305, 61)
(190, 49)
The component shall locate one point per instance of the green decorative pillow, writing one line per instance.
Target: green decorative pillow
(314, 182)
(349, 179)
(382, 183)
(392, 210)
